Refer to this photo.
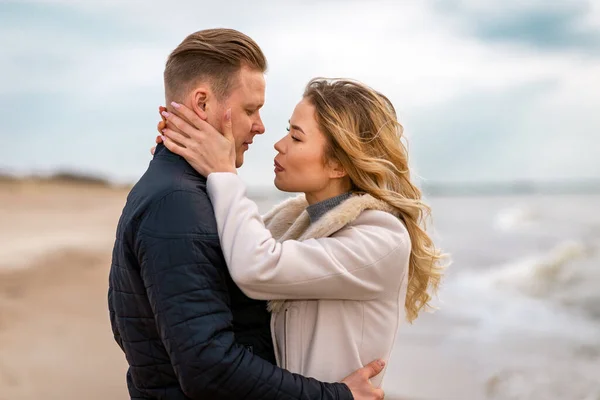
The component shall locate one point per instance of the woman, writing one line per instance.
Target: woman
(342, 265)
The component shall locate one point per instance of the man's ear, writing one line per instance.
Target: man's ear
(201, 97)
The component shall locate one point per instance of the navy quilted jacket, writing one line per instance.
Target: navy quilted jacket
(186, 330)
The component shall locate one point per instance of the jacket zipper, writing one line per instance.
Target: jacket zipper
(285, 335)
(274, 340)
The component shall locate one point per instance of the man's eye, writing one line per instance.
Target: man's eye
(294, 139)
(249, 112)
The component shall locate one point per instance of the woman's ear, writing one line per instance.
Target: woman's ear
(336, 170)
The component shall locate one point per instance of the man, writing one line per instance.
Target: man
(187, 331)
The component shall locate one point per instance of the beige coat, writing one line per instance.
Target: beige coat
(337, 287)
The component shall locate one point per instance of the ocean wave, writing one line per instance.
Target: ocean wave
(553, 294)
(516, 217)
(540, 274)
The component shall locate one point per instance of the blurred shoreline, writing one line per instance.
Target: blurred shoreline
(62, 177)
(516, 187)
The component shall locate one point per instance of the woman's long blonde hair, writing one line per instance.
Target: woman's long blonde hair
(365, 137)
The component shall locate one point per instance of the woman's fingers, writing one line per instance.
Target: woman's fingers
(177, 124)
(163, 122)
(173, 146)
(188, 115)
(161, 125)
(227, 128)
(176, 137)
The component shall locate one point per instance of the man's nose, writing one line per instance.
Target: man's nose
(259, 127)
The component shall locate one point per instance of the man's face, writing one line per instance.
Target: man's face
(245, 100)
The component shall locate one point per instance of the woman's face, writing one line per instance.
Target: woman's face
(299, 164)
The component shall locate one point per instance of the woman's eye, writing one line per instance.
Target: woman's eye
(292, 136)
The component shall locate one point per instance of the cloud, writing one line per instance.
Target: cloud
(548, 26)
(526, 133)
(83, 80)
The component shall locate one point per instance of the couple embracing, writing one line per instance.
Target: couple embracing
(209, 299)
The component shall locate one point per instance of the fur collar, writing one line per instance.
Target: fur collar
(289, 220)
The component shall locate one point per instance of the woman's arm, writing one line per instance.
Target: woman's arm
(356, 263)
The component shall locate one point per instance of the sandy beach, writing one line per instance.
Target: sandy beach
(55, 337)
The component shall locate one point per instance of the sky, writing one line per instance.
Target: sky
(487, 91)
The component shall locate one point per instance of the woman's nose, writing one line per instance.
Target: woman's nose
(279, 146)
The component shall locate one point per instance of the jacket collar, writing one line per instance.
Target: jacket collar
(162, 153)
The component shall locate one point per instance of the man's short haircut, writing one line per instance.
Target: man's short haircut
(214, 56)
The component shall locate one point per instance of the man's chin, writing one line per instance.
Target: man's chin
(239, 158)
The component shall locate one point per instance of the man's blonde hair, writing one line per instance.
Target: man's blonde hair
(212, 55)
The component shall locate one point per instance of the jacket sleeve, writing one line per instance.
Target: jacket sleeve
(113, 322)
(184, 276)
(353, 264)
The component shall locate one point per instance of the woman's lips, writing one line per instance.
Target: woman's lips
(278, 167)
